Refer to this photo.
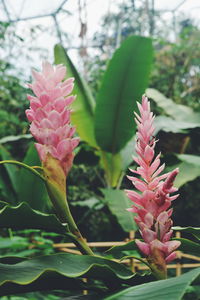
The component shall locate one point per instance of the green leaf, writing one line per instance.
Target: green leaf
(120, 251)
(123, 84)
(30, 188)
(118, 202)
(13, 138)
(23, 216)
(112, 165)
(127, 154)
(188, 172)
(83, 106)
(193, 230)
(173, 289)
(69, 265)
(11, 169)
(178, 112)
(167, 124)
(188, 246)
(188, 158)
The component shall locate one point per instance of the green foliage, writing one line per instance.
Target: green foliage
(124, 82)
(23, 216)
(24, 186)
(12, 103)
(83, 107)
(173, 288)
(176, 71)
(61, 270)
(118, 202)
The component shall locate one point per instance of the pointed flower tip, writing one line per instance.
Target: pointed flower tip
(152, 199)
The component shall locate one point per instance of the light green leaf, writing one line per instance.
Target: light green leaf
(118, 202)
(178, 112)
(188, 158)
(173, 289)
(112, 165)
(13, 138)
(169, 125)
(123, 84)
(127, 154)
(83, 107)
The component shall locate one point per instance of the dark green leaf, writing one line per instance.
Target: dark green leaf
(83, 106)
(193, 230)
(118, 202)
(188, 246)
(123, 84)
(173, 289)
(120, 251)
(23, 216)
(30, 188)
(11, 169)
(69, 265)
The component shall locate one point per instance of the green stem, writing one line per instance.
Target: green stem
(63, 212)
(31, 169)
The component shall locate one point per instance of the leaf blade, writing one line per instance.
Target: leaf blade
(124, 82)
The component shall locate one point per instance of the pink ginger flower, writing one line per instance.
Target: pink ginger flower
(49, 114)
(152, 203)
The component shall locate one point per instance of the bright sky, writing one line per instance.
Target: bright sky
(70, 24)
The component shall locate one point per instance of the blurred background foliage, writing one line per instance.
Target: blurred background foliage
(175, 74)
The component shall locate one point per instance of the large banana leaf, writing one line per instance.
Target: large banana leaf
(123, 84)
(173, 289)
(83, 106)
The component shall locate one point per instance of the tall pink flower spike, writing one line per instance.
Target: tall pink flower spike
(153, 201)
(49, 114)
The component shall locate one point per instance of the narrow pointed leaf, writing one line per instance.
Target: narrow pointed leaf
(83, 107)
(123, 84)
(173, 289)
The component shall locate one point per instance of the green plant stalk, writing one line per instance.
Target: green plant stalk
(61, 206)
(157, 264)
(20, 164)
(55, 181)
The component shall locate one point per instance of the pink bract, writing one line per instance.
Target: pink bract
(49, 114)
(152, 202)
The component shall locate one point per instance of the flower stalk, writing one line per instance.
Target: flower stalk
(153, 199)
(49, 115)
